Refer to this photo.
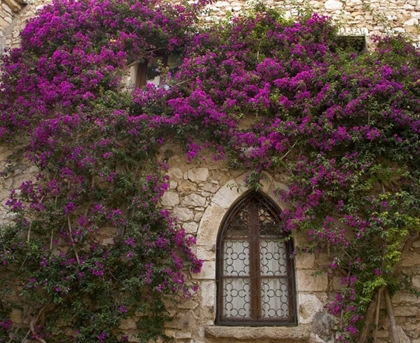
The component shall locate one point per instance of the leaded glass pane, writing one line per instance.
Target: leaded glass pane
(273, 258)
(236, 300)
(275, 298)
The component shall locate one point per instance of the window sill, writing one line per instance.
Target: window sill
(300, 333)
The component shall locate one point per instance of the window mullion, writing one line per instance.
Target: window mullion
(254, 256)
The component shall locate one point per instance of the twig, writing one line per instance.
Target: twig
(368, 320)
(51, 240)
(378, 305)
(28, 236)
(288, 152)
(32, 325)
(391, 316)
(71, 237)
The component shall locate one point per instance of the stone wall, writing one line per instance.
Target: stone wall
(356, 17)
(200, 195)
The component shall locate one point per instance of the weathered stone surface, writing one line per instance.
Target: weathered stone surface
(206, 252)
(14, 5)
(183, 214)
(190, 227)
(406, 311)
(208, 294)
(210, 187)
(175, 173)
(194, 200)
(183, 321)
(209, 225)
(304, 261)
(402, 335)
(407, 298)
(16, 316)
(208, 271)
(410, 259)
(170, 199)
(128, 324)
(198, 174)
(308, 282)
(227, 195)
(189, 304)
(309, 305)
(280, 334)
(411, 22)
(333, 5)
(198, 216)
(186, 187)
(323, 325)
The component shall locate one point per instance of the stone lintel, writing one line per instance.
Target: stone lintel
(295, 334)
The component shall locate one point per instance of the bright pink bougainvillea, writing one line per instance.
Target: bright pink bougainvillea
(342, 125)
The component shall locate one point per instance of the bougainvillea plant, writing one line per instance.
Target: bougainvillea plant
(343, 125)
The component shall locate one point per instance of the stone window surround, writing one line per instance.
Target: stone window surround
(207, 233)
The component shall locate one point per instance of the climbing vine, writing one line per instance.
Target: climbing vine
(342, 125)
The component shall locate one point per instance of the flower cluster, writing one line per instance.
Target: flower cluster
(264, 92)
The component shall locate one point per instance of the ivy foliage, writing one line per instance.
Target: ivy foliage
(265, 92)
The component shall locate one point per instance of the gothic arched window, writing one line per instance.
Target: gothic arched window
(255, 269)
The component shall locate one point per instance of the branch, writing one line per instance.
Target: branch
(368, 320)
(391, 316)
(71, 237)
(288, 152)
(378, 305)
(32, 325)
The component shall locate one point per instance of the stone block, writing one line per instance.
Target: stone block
(209, 225)
(198, 174)
(206, 252)
(186, 187)
(411, 22)
(16, 316)
(14, 5)
(304, 261)
(197, 216)
(170, 199)
(210, 187)
(208, 294)
(183, 214)
(190, 227)
(333, 5)
(382, 334)
(406, 298)
(309, 304)
(406, 311)
(300, 333)
(308, 282)
(194, 200)
(175, 173)
(323, 325)
(226, 196)
(189, 304)
(403, 338)
(128, 324)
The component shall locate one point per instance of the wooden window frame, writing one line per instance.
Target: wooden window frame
(252, 201)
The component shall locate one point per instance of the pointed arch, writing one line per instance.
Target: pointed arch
(254, 266)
